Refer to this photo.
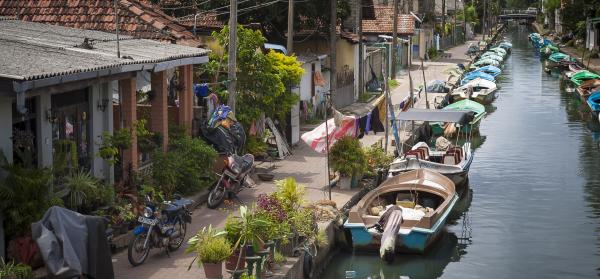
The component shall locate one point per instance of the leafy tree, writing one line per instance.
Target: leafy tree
(263, 79)
(471, 14)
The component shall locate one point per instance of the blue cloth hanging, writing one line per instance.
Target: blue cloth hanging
(201, 90)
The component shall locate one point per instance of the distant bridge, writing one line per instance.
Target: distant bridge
(527, 15)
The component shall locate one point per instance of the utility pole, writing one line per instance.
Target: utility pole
(394, 42)
(443, 18)
(483, 25)
(332, 78)
(117, 28)
(424, 85)
(465, 17)
(454, 27)
(231, 88)
(361, 50)
(290, 38)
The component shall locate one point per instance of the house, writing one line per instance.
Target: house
(592, 37)
(137, 18)
(57, 85)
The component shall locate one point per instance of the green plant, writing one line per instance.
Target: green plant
(321, 238)
(432, 53)
(112, 144)
(65, 157)
(246, 276)
(25, 195)
(210, 246)
(393, 83)
(10, 270)
(147, 141)
(255, 146)
(347, 157)
(377, 159)
(185, 169)
(303, 223)
(125, 212)
(246, 229)
(279, 258)
(106, 194)
(290, 193)
(82, 187)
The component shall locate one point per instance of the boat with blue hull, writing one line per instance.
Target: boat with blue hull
(424, 198)
(593, 102)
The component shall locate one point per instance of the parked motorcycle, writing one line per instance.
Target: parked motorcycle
(232, 179)
(161, 226)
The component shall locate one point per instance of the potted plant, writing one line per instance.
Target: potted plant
(377, 160)
(82, 187)
(247, 233)
(348, 158)
(278, 260)
(211, 248)
(126, 216)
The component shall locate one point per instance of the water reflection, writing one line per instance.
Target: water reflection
(534, 207)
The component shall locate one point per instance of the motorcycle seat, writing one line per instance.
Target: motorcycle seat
(245, 162)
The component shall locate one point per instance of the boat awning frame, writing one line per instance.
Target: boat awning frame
(461, 117)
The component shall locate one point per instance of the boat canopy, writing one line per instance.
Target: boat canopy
(476, 74)
(492, 55)
(505, 45)
(489, 69)
(581, 76)
(556, 57)
(463, 105)
(499, 50)
(461, 117)
(486, 61)
(550, 47)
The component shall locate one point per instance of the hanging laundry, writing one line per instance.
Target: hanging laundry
(201, 90)
(368, 125)
(377, 122)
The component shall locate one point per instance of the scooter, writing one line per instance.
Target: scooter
(231, 180)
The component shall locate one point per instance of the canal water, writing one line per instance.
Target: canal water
(534, 205)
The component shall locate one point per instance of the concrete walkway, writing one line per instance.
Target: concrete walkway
(307, 166)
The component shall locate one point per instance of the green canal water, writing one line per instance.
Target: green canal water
(533, 210)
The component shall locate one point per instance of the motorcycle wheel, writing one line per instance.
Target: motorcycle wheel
(136, 254)
(174, 244)
(216, 196)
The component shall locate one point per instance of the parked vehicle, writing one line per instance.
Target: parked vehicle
(161, 226)
(232, 179)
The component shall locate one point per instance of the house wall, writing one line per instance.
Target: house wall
(44, 129)
(306, 81)
(6, 126)
(100, 121)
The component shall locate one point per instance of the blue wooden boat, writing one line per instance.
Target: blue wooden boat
(425, 199)
(594, 102)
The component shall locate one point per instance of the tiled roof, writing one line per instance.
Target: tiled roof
(30, 50)
(204, 21)
(136, 17)
(384, 22)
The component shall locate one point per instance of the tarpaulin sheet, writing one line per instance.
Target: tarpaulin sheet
(317, 138)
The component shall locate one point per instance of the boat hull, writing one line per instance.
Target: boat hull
(484, 99)
(459, 174)
(416, 240)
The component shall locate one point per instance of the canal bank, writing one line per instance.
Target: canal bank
(535, 185)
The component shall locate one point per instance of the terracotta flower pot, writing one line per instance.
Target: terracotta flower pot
(231, 262)
(213, 270)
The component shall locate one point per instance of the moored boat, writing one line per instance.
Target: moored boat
(450, 160)
(481, 90)
(578, 78)
(420, 200)
(475, 75)
(587, 88)
(594, 102)
(463, 105)
(490, 70)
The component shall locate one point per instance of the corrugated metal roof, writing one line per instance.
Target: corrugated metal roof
(31, 50)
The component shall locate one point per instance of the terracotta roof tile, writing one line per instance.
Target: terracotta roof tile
(384, 22)
(137, 18)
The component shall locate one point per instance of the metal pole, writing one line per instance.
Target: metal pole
(394, 41)
(387, 95)
(332, 78)
(327, 144)
(290, 31)
(424, 85)
(483, 22)
(454, 27)
(117, 28)
(361, 50)
(232, 76)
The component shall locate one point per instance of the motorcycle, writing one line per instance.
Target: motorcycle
(232, 179)
(161, 226)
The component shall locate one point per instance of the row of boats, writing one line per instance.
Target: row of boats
(582, 82)
(408, 211)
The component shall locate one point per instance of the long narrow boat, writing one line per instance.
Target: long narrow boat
(463, 105)
(578, 78)
(481, 90)
(476, 74)
(424, 200)
(453, 161)
(490, 70)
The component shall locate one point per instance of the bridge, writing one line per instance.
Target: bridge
(528, 15)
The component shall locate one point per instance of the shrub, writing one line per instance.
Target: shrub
(25, 195)
(255, 146)
(186, 168)
(377, 159)
(347, 157)
(210, 246)
(290, 193)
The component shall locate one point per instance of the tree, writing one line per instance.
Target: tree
(264, 79)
